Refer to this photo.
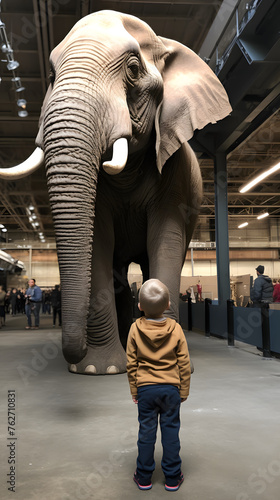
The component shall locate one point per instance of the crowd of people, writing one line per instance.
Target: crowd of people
(33, 300)
(29, 301)
(264, 290)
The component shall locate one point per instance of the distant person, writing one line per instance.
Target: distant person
(56, 304)
(47, 303)
(185, 296)
(199, 291)
(22, 300)
(262, 291)
(2, 306)
(33, 303)
(13, 301)
(158, 369)
(276, 292)
(7, 302)
(43, 301)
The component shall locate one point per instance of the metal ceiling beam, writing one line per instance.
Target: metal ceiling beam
(240, 216)
(241, 206)
(44, 73)
(85, 7)
(240, 181)
(211, 3)
(234, 165)
(50, 18)
(218, 27)
(242, 79)
(15, 119)
(5, 201)
(266, 113)
(241, 195)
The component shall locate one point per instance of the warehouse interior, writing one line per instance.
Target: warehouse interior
(240, 42)
(75, 436)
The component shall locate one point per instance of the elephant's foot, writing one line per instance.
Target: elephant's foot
(101, 360)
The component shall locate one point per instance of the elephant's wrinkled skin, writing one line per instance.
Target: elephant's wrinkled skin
(112, 78)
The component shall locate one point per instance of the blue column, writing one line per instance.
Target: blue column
(221, 227)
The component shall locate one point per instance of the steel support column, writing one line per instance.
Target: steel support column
(221, 226)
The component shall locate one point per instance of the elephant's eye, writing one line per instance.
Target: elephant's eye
(133, 70)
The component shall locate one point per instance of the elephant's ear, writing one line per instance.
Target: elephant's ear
(192, 97)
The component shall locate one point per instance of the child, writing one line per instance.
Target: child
(158, 369)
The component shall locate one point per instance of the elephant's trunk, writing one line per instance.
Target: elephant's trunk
(72, 168)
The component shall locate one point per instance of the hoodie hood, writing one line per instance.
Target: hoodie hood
(266, 278)
(155, 332)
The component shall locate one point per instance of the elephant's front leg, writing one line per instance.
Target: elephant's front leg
(171, 221)
(167, 244)
(105, 353)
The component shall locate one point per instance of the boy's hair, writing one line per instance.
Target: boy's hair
(153, 297)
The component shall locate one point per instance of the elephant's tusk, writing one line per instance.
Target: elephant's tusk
(25, 168)
(118, 162)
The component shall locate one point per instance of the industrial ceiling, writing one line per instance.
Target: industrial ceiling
(240, 42)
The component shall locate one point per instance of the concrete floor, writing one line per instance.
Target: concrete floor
(76, 435)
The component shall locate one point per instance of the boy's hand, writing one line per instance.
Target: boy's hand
(135, 400)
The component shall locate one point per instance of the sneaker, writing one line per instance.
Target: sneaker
(169, 486)
(27, 327)
(144, 485)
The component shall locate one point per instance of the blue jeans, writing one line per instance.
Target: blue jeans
(159, 401)
(33, 307)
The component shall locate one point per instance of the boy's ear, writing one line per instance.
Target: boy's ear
(139, 307)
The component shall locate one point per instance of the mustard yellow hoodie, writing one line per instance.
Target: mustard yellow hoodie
(157, 353)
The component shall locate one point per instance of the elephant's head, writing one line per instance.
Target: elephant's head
(112, 82)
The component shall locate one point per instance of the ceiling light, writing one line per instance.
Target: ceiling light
(18, 85)
(4, 230)
(12, 65)
(31, 207)
(37, 224)
(1, 226)
(20, 89)
(243, 225)
(22, 113)
(262, 216)
(34, 216)
(259, 178)
(5, 43)
(21, 103)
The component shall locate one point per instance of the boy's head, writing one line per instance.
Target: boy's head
(153, 298)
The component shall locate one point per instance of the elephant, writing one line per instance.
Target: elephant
(124, 184)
